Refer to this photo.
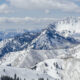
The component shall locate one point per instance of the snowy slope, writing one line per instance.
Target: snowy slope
(51, 67)
(4, 42)
(58, 69)
(69, 24)
(61, 69)
(29, 58)
(69, 27)
(23, 73)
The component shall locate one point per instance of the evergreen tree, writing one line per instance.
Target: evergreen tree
(15, 77)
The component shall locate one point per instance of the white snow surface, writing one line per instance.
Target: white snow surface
(29, 58)
(23, 73)
(61, 69)
(69, 24)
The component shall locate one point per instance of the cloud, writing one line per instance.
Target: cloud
(25, 19)
(47, 11)
(4, 8)
(28, 23)
(63, 5)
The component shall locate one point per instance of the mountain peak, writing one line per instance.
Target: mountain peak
(69, 24)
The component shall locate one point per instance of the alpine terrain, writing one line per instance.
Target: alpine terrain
(50, 54)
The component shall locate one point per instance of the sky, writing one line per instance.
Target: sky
(35, 14)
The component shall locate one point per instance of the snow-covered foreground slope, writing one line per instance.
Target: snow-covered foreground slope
(23, 73)
(61, 69)
(51, 69)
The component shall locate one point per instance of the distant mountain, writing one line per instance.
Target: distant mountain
(30, 48)
(6, 34)
(50, 39)
(69, 27)
(17, 43)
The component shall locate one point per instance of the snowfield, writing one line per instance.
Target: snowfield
(61, 69)
(23, 73)
(52, 69)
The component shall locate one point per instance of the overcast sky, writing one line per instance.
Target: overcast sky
(35, 14)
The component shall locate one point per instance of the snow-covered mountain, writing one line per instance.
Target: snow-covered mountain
(50, 39)
(54, 52)
(6, 34)
(29, 58)
(68, 24)
(69, 27)
(17, 43)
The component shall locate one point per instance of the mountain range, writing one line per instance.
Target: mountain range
(53, 51)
